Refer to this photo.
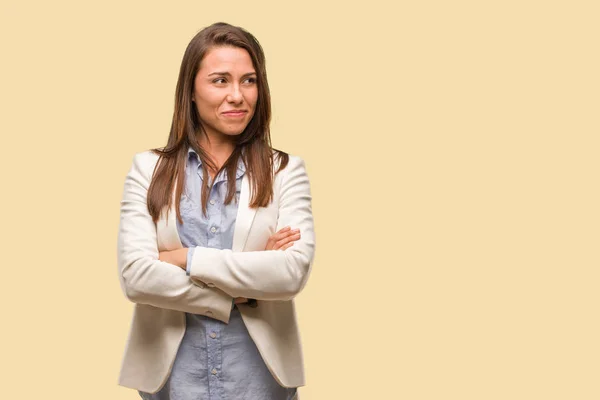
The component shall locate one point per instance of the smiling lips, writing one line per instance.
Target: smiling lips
(235, 114)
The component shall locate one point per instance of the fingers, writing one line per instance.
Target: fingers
(280, 234)
(284, 232)
(282, 238)
(290, 238)
(286, 246)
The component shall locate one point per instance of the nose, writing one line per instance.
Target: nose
(235, 95)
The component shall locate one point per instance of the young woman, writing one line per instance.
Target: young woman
(216, 238)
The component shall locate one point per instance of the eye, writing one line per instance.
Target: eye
(251, 80)
(219, 80)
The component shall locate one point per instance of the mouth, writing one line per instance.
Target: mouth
(235, 114)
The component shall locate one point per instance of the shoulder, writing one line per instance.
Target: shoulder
(292, 162)
(145, 159)
(293, 174)
(143, 164)
(296, 160)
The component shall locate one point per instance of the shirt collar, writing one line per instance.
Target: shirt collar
(241, 167)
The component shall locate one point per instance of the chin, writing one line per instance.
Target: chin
(234, 132)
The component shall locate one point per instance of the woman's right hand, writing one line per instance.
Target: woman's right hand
(280, 240)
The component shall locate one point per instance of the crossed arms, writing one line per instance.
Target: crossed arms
(262, 275)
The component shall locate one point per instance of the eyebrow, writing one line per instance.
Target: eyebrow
(228, 74)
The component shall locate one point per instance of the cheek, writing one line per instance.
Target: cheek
(252, 97)
(207, 103)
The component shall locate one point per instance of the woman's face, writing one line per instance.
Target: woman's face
(225, 91)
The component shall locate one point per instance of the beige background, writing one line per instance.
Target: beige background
(452, 149)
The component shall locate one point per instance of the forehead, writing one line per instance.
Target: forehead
(226, 59)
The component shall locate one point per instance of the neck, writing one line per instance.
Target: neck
(218, 148)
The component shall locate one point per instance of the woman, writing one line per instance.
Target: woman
(216, 238)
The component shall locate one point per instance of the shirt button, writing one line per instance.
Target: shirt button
(213, 229)
(214, 371)
(212, 202)
(213, 335)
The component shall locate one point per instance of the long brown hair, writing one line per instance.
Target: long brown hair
(253, 145)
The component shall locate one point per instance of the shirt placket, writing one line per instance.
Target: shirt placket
(213, 209)
(215, 359)
(213, 328)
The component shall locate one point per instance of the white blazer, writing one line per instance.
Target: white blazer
(162, 292)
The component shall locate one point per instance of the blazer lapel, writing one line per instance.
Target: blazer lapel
(244, 218)
(166, 230)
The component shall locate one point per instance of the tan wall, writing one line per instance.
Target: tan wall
(452, 149)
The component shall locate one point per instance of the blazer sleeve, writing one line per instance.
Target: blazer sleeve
(143, 277)
(269, 274)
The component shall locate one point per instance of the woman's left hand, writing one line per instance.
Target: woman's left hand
(176, 257)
